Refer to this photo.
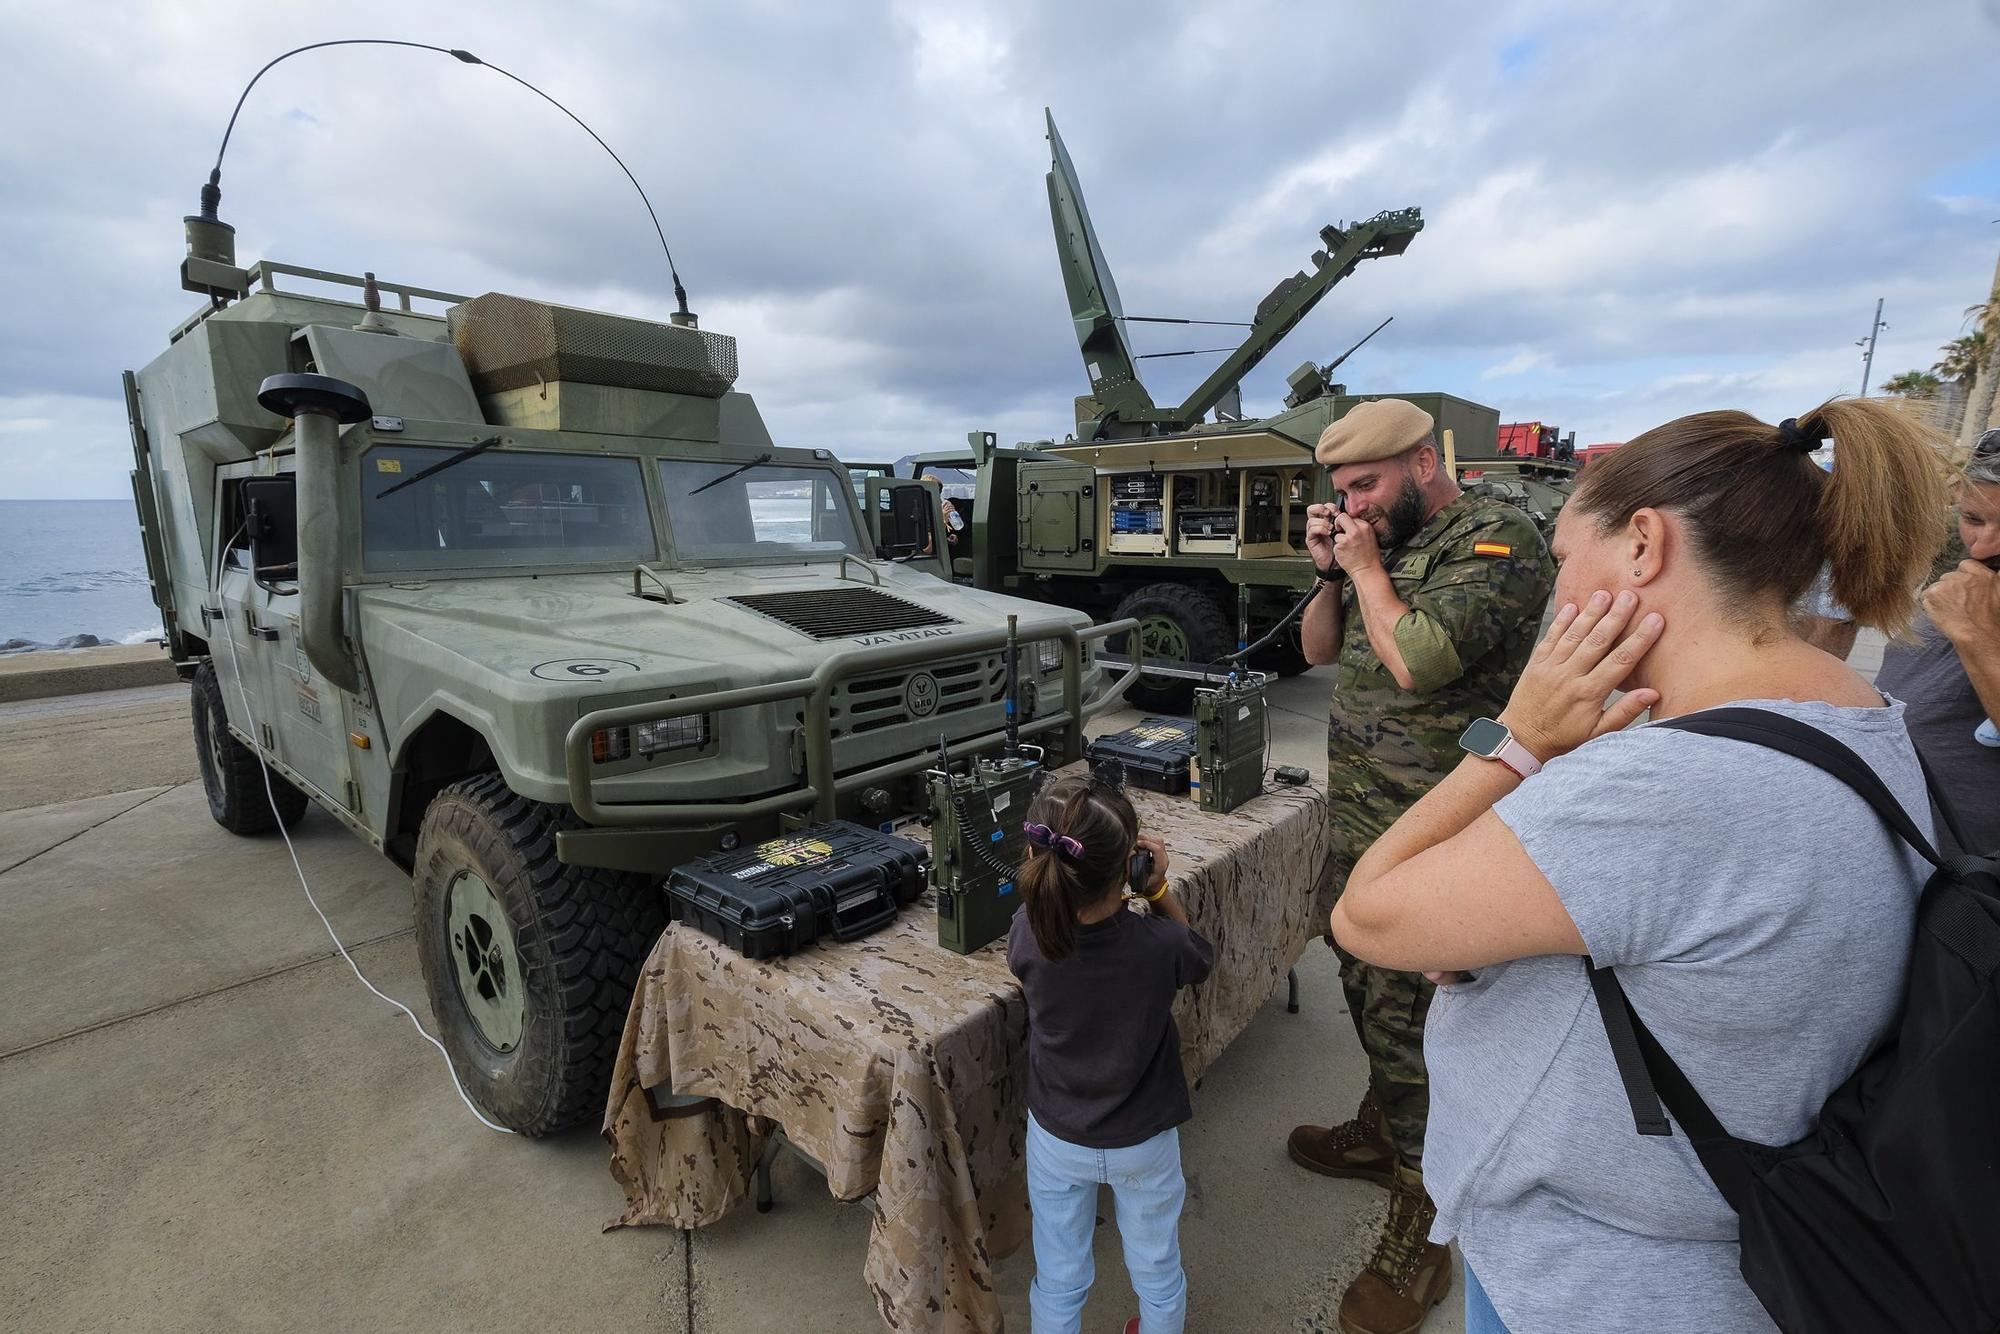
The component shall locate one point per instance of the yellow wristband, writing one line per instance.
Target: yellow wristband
(1156, 897)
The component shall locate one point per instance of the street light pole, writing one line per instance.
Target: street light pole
(1868, 357)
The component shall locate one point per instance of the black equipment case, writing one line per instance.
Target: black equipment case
(1155, 753)
(835, 880)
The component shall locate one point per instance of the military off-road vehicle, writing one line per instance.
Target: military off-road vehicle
(1190, 517)
(527, 598)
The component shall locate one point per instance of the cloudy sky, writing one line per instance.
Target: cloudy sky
(1632, 211)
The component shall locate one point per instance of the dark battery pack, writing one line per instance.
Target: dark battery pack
(834, 881)
(1155, 753)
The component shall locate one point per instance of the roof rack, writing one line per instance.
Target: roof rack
(263, 274)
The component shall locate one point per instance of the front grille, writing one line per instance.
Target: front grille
(836, 613)
(881, 701)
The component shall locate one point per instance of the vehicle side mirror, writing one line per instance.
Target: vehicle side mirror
(912, 525)
(272, 516)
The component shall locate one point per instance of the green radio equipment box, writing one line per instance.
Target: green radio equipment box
(977, 845)
(1229, 723)
(976, 841)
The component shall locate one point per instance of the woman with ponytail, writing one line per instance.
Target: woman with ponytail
(1105, 1086)
(1759, 915)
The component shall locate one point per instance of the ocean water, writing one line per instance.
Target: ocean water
(73, 567)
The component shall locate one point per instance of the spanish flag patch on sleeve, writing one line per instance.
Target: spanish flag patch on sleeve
(1491, 549)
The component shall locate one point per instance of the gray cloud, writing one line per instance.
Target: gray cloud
(1630, 214)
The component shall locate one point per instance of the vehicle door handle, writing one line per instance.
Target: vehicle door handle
(265, 633)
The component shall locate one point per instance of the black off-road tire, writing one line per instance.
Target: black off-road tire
(232, 776)
(579, 933)
(1200, 620)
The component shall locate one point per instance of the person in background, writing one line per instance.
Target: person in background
(1106, 1090)
(1949, 677)
(1820, 620)
(1433, 599)
(1823, 622)
(1758, 913)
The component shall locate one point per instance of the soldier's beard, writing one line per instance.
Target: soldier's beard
(1406, 517)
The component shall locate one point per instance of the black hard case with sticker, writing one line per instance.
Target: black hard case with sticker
(1155, 753)
(834, 881)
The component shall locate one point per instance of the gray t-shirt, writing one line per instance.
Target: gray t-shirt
(1760, 918)
(1944, 712)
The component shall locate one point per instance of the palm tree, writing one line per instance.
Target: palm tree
(1962, 358)
(1986, 370)
(1912, 384)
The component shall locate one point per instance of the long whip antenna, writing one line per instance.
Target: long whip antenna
(211, 193)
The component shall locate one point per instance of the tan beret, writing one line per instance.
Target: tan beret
(1378, 429)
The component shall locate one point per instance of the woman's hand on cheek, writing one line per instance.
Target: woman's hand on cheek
(1559, 702)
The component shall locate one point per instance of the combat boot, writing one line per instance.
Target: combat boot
(1407, 1275)
(1359, 1148)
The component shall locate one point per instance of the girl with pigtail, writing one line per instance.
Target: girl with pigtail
(1106, 1090)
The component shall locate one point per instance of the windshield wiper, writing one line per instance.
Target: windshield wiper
(440, 466)
(757, 462)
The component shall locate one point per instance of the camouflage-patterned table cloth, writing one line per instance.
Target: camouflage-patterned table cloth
(902, 1067)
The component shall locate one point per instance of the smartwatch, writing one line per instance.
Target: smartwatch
(1490, 740)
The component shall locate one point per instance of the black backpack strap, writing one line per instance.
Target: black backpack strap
(1804, 742)
(1647, 1117)
(1652, 1078)
(1650, 1075)
(1648, 1072)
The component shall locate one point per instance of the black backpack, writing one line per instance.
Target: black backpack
(1887, 1216)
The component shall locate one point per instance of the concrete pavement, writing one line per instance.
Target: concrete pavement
(212, 1126)
(209, 1124)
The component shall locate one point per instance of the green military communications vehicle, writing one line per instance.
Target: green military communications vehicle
(527, 598)
(1188, 517)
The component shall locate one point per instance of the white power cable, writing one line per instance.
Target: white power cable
(271, 796)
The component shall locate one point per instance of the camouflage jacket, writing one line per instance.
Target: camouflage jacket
(1475, 578)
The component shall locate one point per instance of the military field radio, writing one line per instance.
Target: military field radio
(1229, 724)
(976, 810)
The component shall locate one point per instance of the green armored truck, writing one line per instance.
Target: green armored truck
(528, 598)
(1188, 517)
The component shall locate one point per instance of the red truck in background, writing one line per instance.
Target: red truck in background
(1589, 452)
(1536, 440)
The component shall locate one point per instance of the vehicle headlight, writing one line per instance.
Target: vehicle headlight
(1049, 655)
(649, 739)
(685, 733)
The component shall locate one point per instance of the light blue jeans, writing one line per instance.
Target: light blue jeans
(1480, 1317)
(1146, 1181)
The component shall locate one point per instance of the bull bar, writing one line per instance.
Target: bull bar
(823, 787)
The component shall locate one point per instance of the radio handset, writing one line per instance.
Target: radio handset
(1139, 872)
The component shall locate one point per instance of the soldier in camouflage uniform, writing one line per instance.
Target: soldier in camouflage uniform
(1434, 604)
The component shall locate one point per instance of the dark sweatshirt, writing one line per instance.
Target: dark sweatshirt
(1104, 1056)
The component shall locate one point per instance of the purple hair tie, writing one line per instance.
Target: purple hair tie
(1061, 844)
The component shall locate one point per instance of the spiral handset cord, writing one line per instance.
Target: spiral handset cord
(981, 848)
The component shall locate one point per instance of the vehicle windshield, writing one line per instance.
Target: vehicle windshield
(502, 508)
(771, 509)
